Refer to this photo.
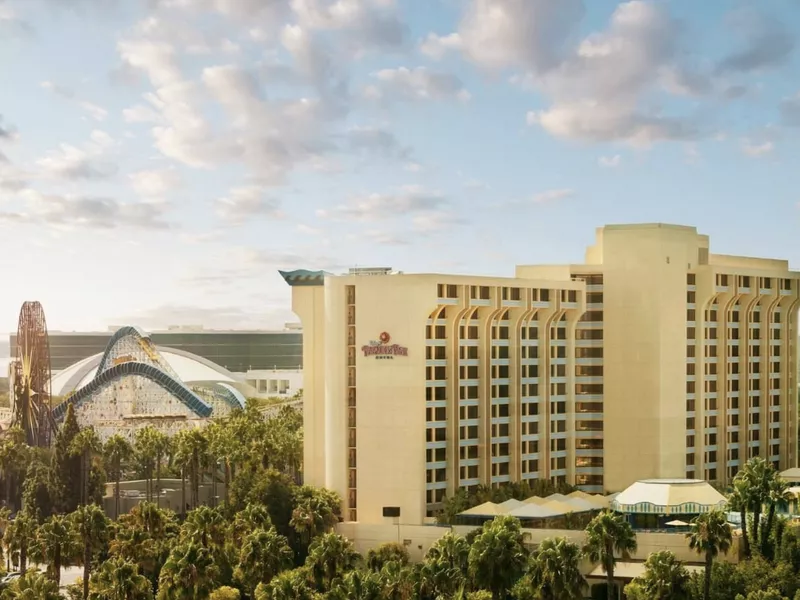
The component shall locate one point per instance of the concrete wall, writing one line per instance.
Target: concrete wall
(417, 538)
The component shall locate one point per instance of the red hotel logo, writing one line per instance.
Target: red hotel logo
(382, 349)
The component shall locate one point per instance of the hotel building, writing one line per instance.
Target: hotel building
(654, 359)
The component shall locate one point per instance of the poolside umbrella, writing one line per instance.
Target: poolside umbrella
(678, 523)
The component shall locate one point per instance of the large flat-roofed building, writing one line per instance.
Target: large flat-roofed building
(654, 359)
(237, 351)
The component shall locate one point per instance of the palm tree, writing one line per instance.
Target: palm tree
(289, 585)
(161, 444)
(553, 573)
(264, 554)
(119, 579)
(710, 535)
(254, 516)
(358, 585)
(19, 537)
(665, 577)
(329, 556)
(145, 453)
(5, 519)
(33, 585)
(756, 476)
(497, 557)
(223, 447)
(445, 566)
(189, 573)
(191, 449)
(56, 545)
(778, 492)
(117, 452)
(205, 526)
(739, 501)
(86, 445)
(609, 533)
(90, 524)
(14, 457)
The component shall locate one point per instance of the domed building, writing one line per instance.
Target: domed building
(135, 383)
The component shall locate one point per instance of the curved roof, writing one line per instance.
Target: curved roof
(107, 377)
(668, 497)
(188, 367)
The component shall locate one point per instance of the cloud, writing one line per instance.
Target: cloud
(598, 90)
(381, 238)
(87, 163)
(7, 132)
(375, 141)
(415, 84)
(435, 221)
(260, 260)
(12, 178)
(790, 111)
(756, 150)
(365, 24)
(528, 34)
(553, 195)
(610, 161)
(376, 207)
(154, 183)
(245, 203)
(220, 317)
(89, 211)
(767, 44)
(436, 46)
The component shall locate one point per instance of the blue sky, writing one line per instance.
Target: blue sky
(161, 159)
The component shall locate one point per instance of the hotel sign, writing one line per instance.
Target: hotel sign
(382, 349)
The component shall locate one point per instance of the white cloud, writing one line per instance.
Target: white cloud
(156, 59)
(436, 46)
(756, 150)
(415, 84)
(376, 207)
(154, 183)
(89, 211)
(610, 161)
(98, 113)
(245, 203)
(72, 163)
(553, 195)
(439, 220)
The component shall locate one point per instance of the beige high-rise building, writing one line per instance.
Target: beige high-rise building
(654, 359)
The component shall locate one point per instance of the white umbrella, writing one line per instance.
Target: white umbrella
(678, 523)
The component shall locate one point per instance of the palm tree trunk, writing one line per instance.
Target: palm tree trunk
(756, 520)
(227, 481)
(87, 568)
(183, 492)
(158, 481)
(23, 557)
(745, 541)
(707, 582)
(610, 573)
(767, 529)
(57, 566)
(116, 496)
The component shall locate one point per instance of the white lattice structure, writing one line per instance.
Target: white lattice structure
(133, 385)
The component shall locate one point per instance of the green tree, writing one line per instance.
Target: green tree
(225, 593)
(117, 452)
(119, 579)
(606, 535)
(710, 535)
(86, 445)
(145, 536)
(32, 586)
(144, 452)
(739, 501)
(264, 554)
(20, 536)
(38, 495)
(67, 465)
(445, 566)
(664, 578)
(289, 585)
(357, 585)
(497, 557)
(768, 594)
(56, 545)
(378, 557)
(778, 493)
(15, 455)
(90, 525)
(254, 516)
(205, 526)
(188, 574)
(316, 511)
(553, 573)
(756, 476)
(191, 452)
(329, 557)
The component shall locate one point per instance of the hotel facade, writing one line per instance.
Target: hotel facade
(654, 359)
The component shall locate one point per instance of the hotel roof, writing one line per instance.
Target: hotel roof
(669, 497)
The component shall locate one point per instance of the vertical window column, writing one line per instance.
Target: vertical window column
(436, 411)
(530, 399)
(352, 464)
(468, 402)
(500, 435)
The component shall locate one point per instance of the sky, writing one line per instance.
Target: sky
(160, 160)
